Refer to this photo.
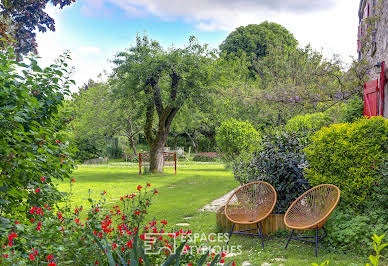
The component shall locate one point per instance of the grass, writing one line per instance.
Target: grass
(181, 195)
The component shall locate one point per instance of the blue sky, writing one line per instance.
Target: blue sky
(94, 30)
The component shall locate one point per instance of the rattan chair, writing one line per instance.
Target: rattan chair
(310, 212)
(250, 204)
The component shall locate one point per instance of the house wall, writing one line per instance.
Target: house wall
(380, 53)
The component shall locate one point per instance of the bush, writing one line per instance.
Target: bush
(352, 110)
(114, 235)
(205, 157)
(34, 148)
(348, 156)
(309, 122)
(234, 137)
(280, 162)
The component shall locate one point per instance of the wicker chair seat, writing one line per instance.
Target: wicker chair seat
(312, 208)
(251, 203)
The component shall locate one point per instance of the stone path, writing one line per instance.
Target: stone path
(216, 204)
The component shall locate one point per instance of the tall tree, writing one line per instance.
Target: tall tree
(254, 40)
(20, 18)
(163, 81)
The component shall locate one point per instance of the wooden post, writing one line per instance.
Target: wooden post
(175, 161)
(139, 163)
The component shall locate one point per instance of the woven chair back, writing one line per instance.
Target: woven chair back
(313, 207)
(251, 203)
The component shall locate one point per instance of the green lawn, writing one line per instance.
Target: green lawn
(181, 195)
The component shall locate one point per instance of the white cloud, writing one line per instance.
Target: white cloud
(327, 24)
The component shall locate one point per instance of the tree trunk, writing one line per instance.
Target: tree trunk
(132, 143)
(193, 141)
(156, 156)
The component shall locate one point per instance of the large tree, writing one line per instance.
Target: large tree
(20, 18)
(162, 81)
(254, 40)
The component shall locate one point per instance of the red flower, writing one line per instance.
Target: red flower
(73, 180)
(114, 245)
(17, 222)
(42, 178)
(234, 264)
(10, 244)
(37, 190)
(76, 220)
(148, 184)
(141, 260)
(129, 244)
(5, 256)
(31, 257)
(121, 198)
(222, 261)
(49, 257)
(32, 220)
(59, 216)
(139, 187)
(52, 264)
(163, 222)
(12, 236)
(136, 212)
(57, 141)
(223, 254)
(156, 191)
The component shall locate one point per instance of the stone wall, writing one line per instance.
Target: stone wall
(380, 53)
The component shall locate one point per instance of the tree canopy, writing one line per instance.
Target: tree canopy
(254, 40)
(162, 81)
(19, 20)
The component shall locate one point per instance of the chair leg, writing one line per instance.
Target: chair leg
(316, 242)
(230, 234)
(288, 241)
(260, 231)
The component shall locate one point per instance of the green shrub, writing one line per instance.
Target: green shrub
(309, 122)
(234, 137)
(348, 155)
(280, 162)
(34, 147)
(352, 110)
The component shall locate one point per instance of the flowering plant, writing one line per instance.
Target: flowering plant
(105, 234)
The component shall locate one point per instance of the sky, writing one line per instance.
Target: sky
(95, 30)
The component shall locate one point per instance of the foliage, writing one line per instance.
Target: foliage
(114, 236)
(352, 110)
(299, 81)
(348, 156)
(162, 82)
(322, 264)
(281, 162)
(378, 247)
(308, 122)
(99, 119)
(205, 157)
(34, 149)
(350, 231)
(253, 40)
(19, 19)
(235, 137)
